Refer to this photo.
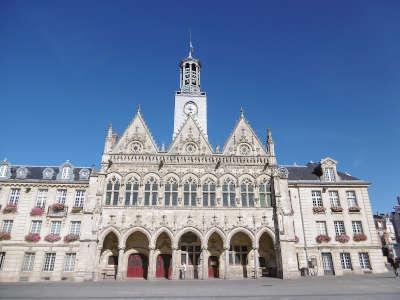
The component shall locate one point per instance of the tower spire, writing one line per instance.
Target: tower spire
(271, 147)
(190, 44)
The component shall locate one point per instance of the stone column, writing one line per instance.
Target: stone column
(204, 255)
(255, 258)
(120, 261)
(174, 264)
(152, 261)
(226, 263)
(97, 263)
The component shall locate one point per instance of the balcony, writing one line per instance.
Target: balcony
(57, 210)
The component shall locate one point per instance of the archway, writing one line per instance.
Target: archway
(109, 256)
(163, 256)
(190, 250)
(137, 255)
(215, 247)
(267, 257)
(239, 261)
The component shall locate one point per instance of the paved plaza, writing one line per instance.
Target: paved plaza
(347, 287)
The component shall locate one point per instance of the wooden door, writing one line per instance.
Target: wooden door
(137, 266)
(213, 267)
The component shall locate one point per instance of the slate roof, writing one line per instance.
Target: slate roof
(312, 171)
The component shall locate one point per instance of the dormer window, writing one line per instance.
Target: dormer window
(329, 174)
(65, 172)
(3, 171)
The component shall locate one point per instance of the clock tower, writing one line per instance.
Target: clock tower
(190, 100)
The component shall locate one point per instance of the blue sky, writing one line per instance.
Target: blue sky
(324, 75)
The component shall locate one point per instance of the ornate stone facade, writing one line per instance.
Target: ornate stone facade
(186, 212)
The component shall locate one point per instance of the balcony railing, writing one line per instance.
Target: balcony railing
(57, 211)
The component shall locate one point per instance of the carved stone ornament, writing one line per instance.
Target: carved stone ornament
(283, 173)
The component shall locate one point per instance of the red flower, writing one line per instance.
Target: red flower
(343, 238)
(4, 235)
(52, 238)
(10, 208)
(37, 211)
(322, 238)
(318, 209)
(359, 237)
(58, 207)
(71, 237)
(32, 237)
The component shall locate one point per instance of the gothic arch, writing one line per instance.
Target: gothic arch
(228, 176)
(130, 231)
(186, 230)
(170, 175)
(263, 178)
(115, 174)
(106, 231)
(245, 176)
(132, 175)
(239, 229)
(190, 175)
(160, 231)
(267, 230)
(151, 174)
(208, 176)
(217, 230)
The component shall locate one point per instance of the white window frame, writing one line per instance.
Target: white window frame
(316, 197)
(2, 259)
(49, 261)
(7, 226)
(339, 227)
(15, 194)
(151, 192)
(36, 226)
(75, 227)
(55, 227)
(61, 196)
(41, 198)
(28, 262)
(69, 263)
(329, 174)
(171, 192)
(65, 173)
(79, 198)
(345, 260)
(190, 192)
(112, 191)
(334, 198)
(247, 193)
(265, 194)
(238, 255)
(357, 227)
(229, 193)
(132, 192)
(209, 193)
(365, 262)
(351, 199)
(321, 228)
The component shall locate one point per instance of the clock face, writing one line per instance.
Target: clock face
(190, 108)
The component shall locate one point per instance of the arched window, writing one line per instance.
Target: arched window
(247, 193)
(112, 192)
(265, 194)
(189, 192)
(150, 192)
(65, 172)
(171, 192)
(209, 193)
(132, 191)
(228, 193)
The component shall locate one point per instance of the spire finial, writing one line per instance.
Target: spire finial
(241, 112)
(190, 44)
(269, 134)
(138, 108)
(109, 132)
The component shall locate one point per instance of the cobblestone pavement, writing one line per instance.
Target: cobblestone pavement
(365, 287)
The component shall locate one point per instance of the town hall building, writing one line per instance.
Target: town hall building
(187, 211)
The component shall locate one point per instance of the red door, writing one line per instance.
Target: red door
(160, 270)
(163, 266)
(137, 266)
(213, 266)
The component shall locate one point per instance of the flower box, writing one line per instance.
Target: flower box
(10, 208)
(52, 238)
(322, 238)
(336, 209)
(4, 235)
(57, 207)
(354, 209)
(32, 237)
(71, 238)
(359, 237)
(37, 211)
(76, 209)
(343, 238)
(319, 210)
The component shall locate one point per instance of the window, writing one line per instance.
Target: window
(55, 227)
(265, 194)
(339, 228)
(321, 228)
(351, 199)
(75, 227)
(189, 192)
(364, 260)
(357, 227)
(79, 198)
(247, 194)
(171, 192)
(35, 227)
(49, 260)
(41, 198)
(2, 258)
(190, 255)
(65, 174)
(112, 192)
(209, 193)
(345, 259)
(7, 226)
(61, 196)
(150, 192)
(329, 174)
(28, 262)
(334, 198)
(228, 193)
(69, 264)
(3, 170)
(14, 196)
(316, 199)
(238, 255)
(132, 192)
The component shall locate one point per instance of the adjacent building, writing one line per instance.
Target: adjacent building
(189, 211)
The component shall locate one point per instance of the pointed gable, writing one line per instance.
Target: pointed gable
(243, 141)
(137, 138)
(190, 140)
